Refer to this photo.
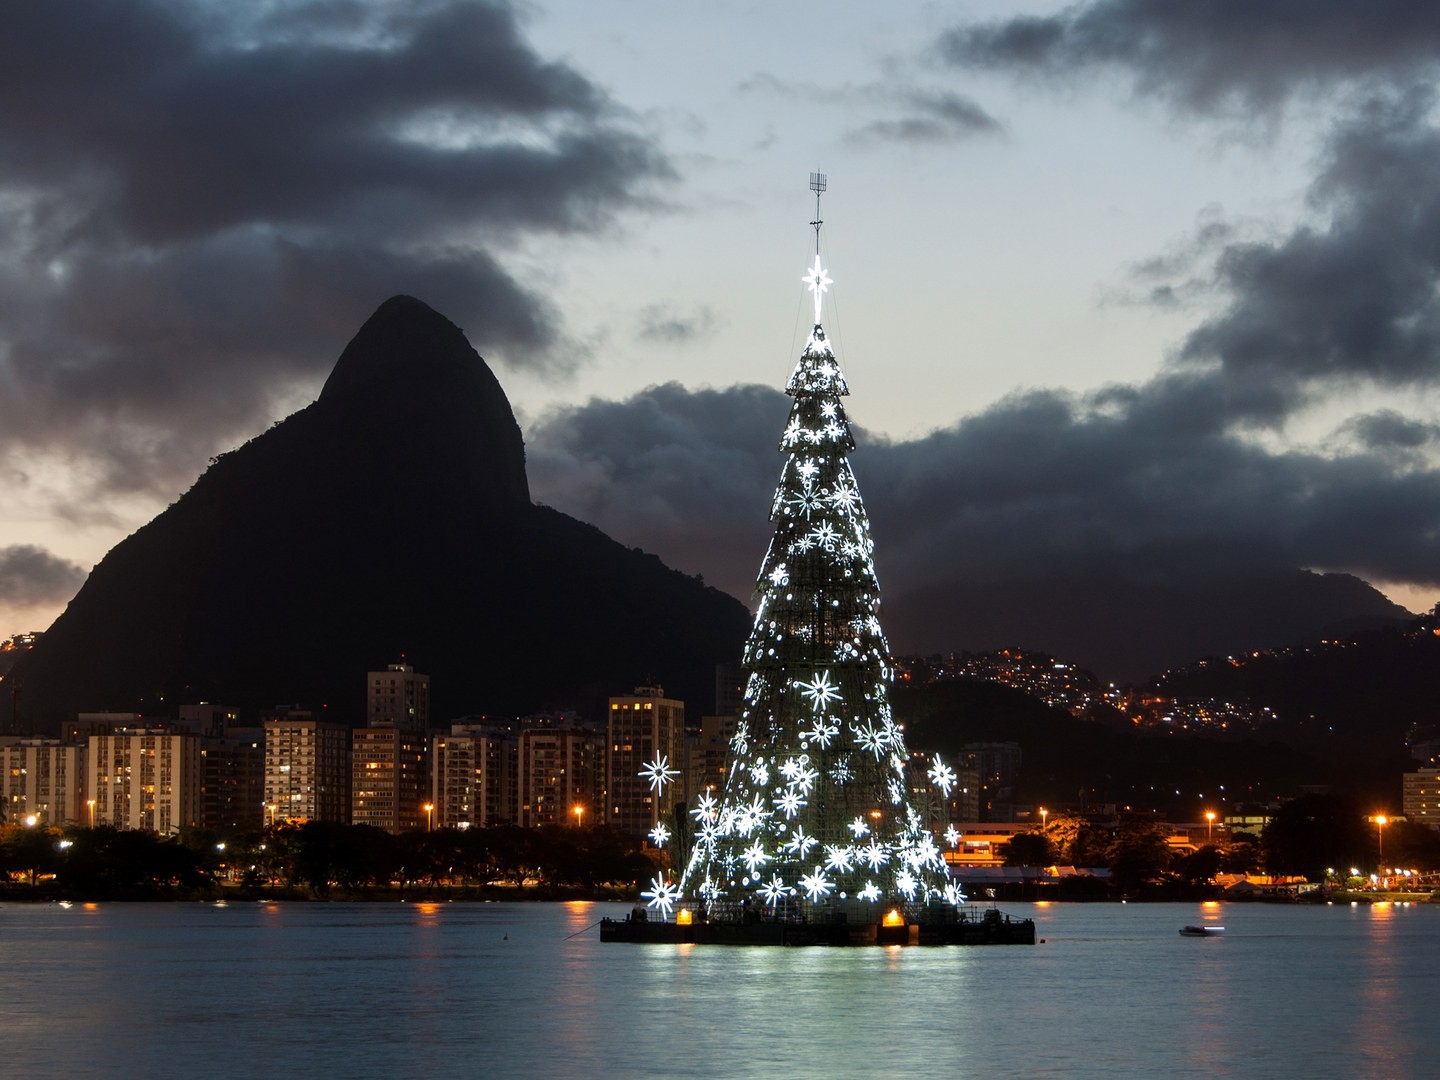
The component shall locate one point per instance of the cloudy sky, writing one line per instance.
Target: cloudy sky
(1120, 280)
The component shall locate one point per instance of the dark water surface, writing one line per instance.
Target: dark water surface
(503, 990)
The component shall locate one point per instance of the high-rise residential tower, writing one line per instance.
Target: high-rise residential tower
(645, 738)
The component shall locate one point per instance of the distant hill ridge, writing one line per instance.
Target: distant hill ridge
(391, 516)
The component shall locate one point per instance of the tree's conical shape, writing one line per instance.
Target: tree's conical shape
(816, 812)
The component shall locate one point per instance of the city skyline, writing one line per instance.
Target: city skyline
(1154, 283)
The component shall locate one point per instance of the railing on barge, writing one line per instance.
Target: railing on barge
(951, 927)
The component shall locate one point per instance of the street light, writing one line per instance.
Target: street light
(429, 809)
(1380, 822)
(579, 812)
(1209, 825)
(91, 803)
(1043, 815)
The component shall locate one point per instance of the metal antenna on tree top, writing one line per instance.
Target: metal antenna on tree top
(817, 185)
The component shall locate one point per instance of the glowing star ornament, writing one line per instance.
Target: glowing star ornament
(874, 855)
(775, 890)
(870, 739)
(789, 803)
(942, 776)
(805, 779)
(907, 884)
(754, 857)
(821, 733)
(817, 886)
(820, 692)
(800, 844)
(818, 281)
(662, 894)
(705, 808)
(658, 772)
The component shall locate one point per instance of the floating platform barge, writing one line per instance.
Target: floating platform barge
(989, 927)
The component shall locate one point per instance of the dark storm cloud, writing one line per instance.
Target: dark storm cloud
(687, 474)
(1387, 431)
(1353, 296)
(1042, 482)
(659, 322)
(926, 115)
(932, 117)
(200, 209)
(1212, 56)
(1042, 479)
(1349, 296)
(31, 576)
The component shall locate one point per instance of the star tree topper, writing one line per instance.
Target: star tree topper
(818, 280)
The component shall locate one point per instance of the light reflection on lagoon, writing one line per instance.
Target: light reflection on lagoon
(499, 990)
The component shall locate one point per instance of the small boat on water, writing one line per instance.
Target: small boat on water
(1201, 931)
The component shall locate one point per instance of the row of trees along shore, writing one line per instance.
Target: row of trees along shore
(321, 860)
(1315, 837)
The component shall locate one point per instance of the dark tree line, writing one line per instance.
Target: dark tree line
(1314, 836)
(321, 860)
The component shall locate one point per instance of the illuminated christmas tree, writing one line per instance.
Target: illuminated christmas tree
(816, 814)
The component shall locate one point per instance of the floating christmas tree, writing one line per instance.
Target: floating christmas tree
(816, 814)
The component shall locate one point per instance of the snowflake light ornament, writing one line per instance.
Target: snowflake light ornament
(705, 807)
(799, 843)
(821, 733)
(774, 890)
(804, 502)
(805, 779)
(952, 836)
(942, 776)
(660, 834)
(858, 827)
(874, 855)
(872, 740)
(658, 772)
(817, 886)
(754, 857)
(662, 894)
(820, 691)
(906, 883)
(789, 802)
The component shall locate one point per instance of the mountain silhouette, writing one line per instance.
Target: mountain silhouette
(389, 518)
